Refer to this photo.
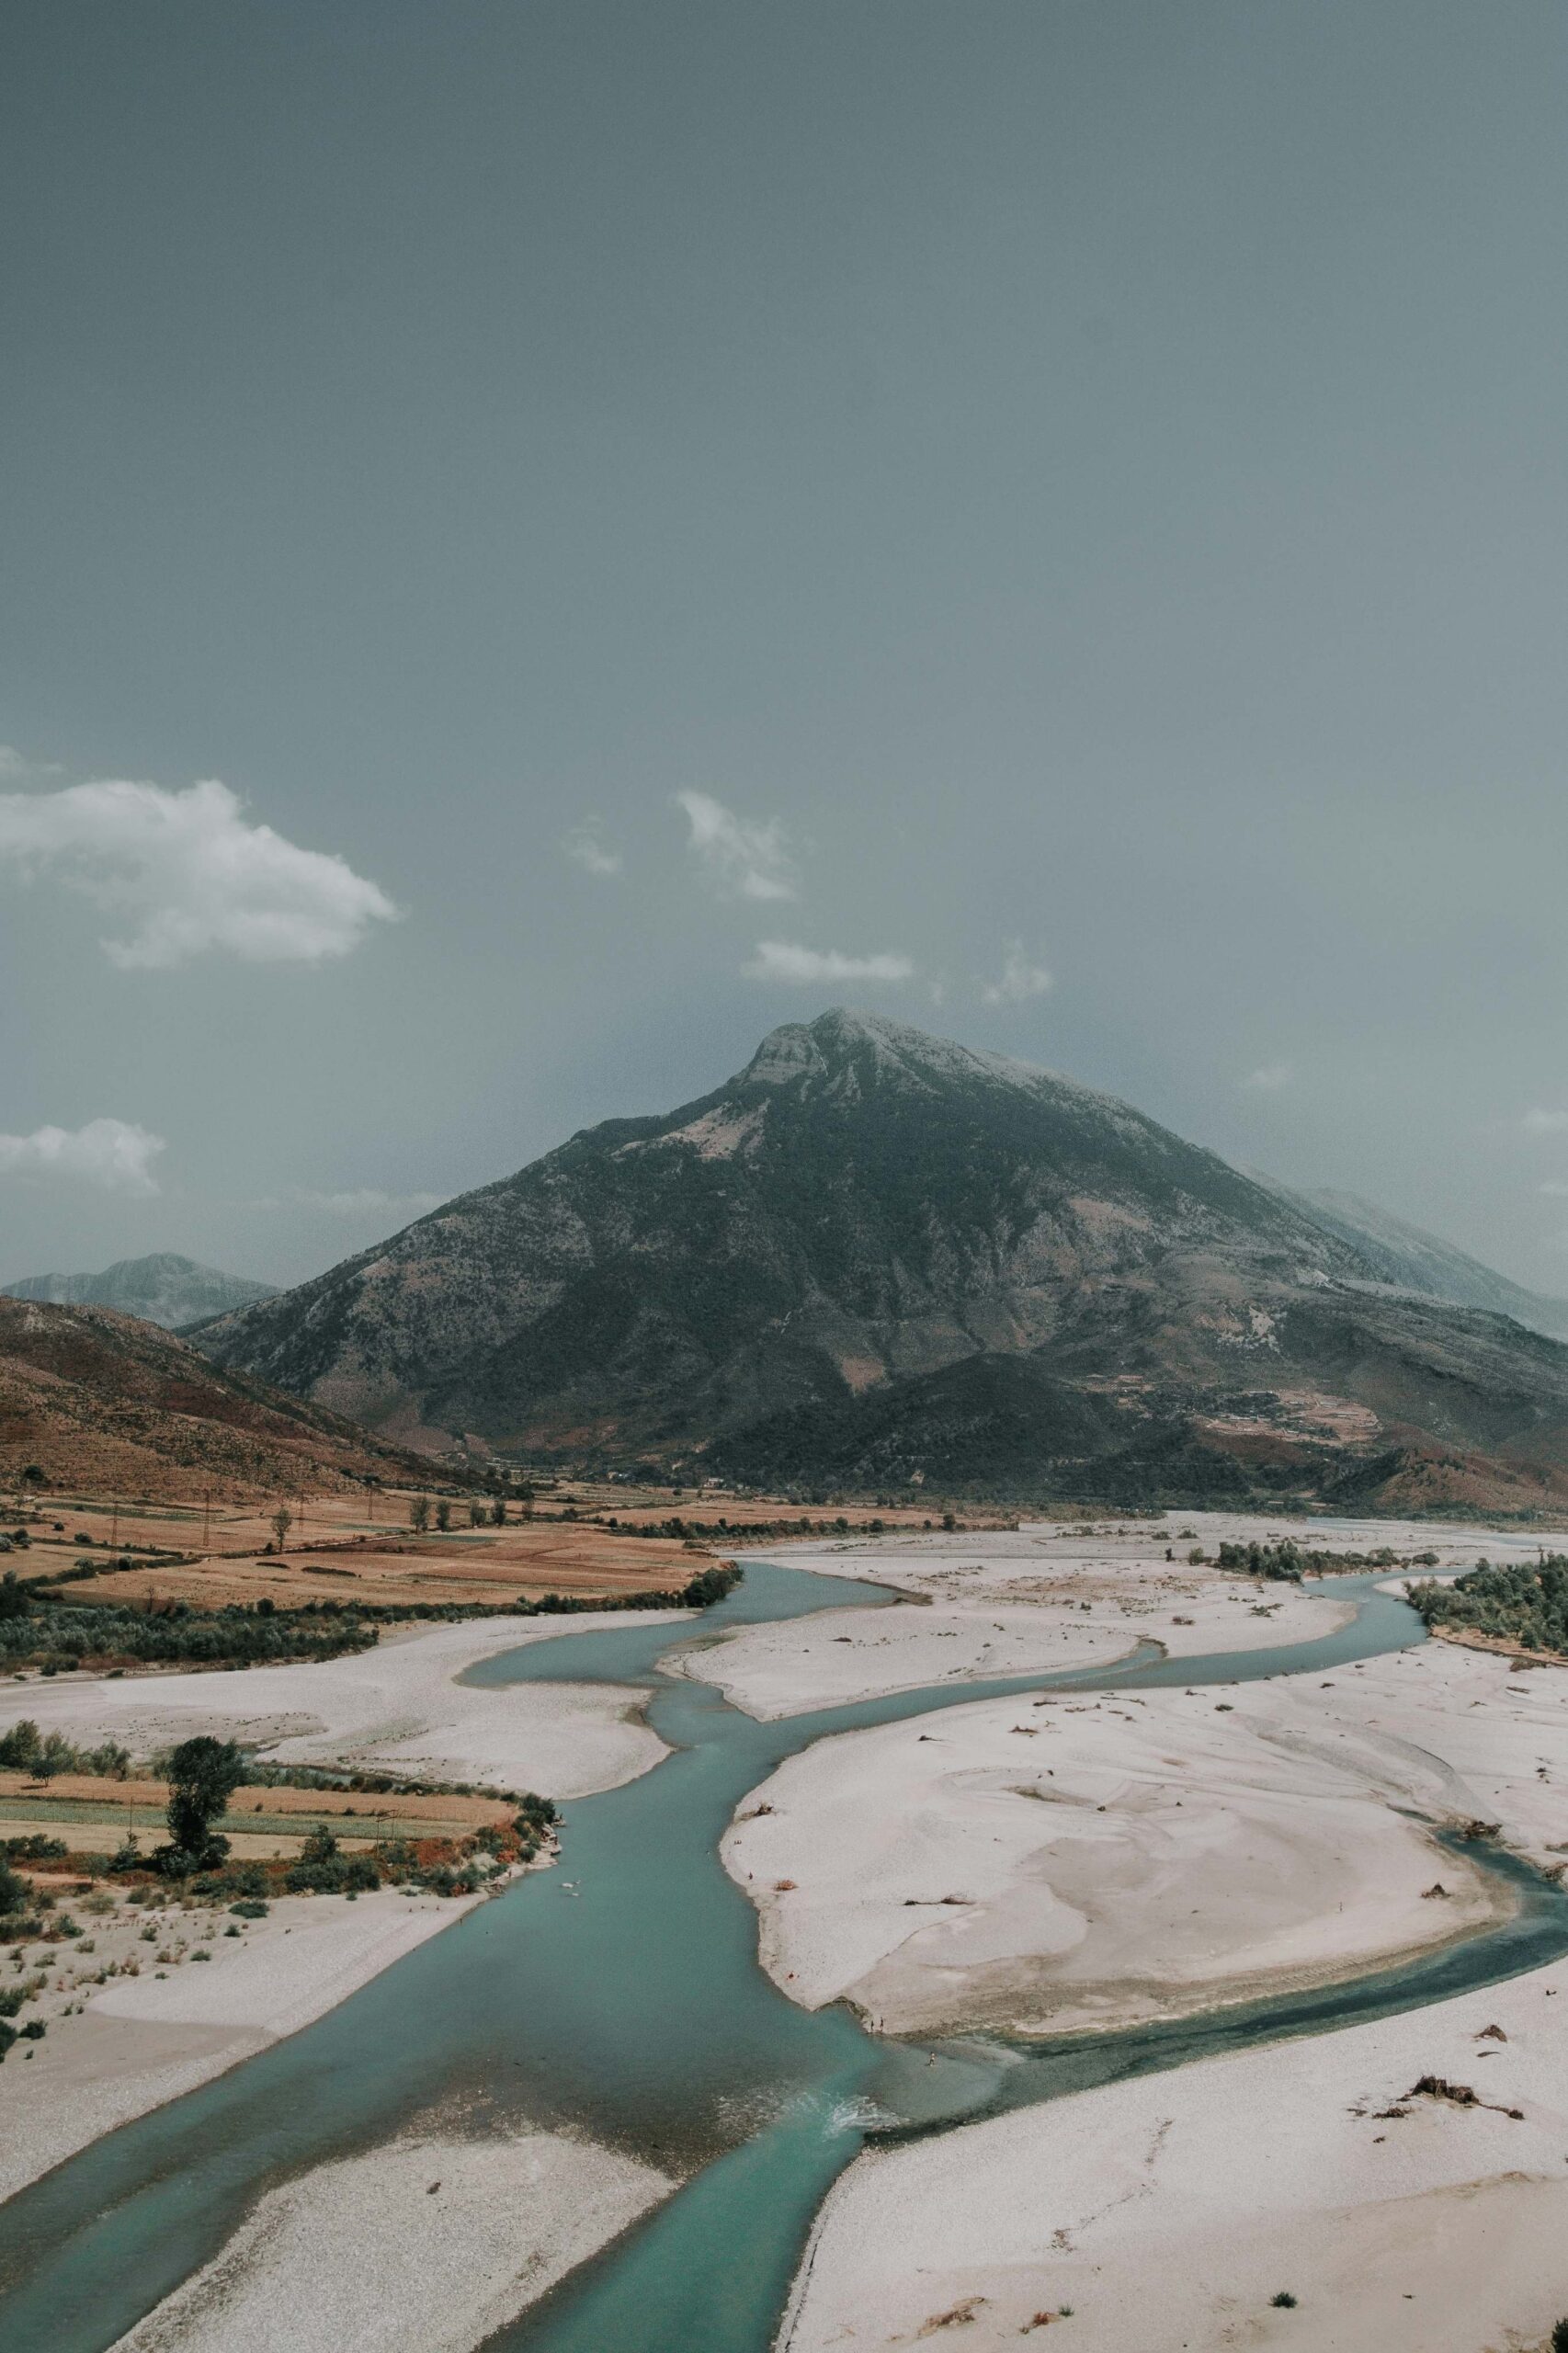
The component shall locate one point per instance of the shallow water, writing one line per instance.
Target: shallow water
(620, 1995)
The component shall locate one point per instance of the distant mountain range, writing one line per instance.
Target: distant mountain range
(874, 1257)
(99, 1402)
(1409, 1259)
(164, 1290)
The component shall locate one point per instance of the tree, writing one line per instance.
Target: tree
(419, 1516)
(20, 1746)
(443, 1515)
(13, 1598)
(14, 1892)
(204, 1773)
(282, 1521)
(476, 1514)
(499, 1512)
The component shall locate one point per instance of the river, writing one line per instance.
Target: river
(619, 1996)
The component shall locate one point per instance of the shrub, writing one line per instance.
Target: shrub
(1284, 2301)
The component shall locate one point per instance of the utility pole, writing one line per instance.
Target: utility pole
(206, 1520)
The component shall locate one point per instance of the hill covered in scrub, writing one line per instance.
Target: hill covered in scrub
(875, 1257)
(93, 1399)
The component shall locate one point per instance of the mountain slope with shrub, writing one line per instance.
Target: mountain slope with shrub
(96, 1400)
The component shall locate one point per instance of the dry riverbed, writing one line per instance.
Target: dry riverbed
(424, 2246)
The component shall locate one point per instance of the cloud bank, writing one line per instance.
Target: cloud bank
(113, 1153)
(1021, 979)
(1270, 1079)
(743, 860)
(191, 874)
(367, 1200)
(784, 960)
(585, 846)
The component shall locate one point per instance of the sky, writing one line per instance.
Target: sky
(543, 540)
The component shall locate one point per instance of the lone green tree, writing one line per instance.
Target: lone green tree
(204, 1773)
(419, 1516)
(282, 1521)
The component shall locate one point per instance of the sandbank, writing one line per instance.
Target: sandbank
(398, 1707)
(1082, 1860)
(1048, 1597)
(144, 2040)
(424, 2245)
(1169, 2212)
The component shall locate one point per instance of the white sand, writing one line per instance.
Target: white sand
(1043, 1599)
(1467, 1735)
(397, 1707)
(1102, 1860)
(421, 2247)
(1168, 2211)
(142, 2041)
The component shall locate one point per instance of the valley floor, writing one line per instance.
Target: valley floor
(1056, 1861)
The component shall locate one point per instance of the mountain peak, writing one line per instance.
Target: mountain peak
(875, 1256)
(843, 1040)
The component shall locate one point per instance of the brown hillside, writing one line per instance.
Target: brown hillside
(97, 1400)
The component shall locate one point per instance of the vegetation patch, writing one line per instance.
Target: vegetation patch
(1522, 1603)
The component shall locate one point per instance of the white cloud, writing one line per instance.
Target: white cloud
(1270, 1079)
(114, 1154)
(191, 873)
(15, 766)
(1555, 1188)
(585, 846)
(784, 960)
(1538, 1122)
(1020, 979)
(367, 1200)
(744, 861)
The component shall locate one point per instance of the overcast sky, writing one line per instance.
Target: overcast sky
(542, 540)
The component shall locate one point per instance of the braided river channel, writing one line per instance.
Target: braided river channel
(636, 2015)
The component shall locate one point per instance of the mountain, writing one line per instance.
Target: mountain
(874, 1257)
(99, 1401)
(1410, 1259)
(164, 1290)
